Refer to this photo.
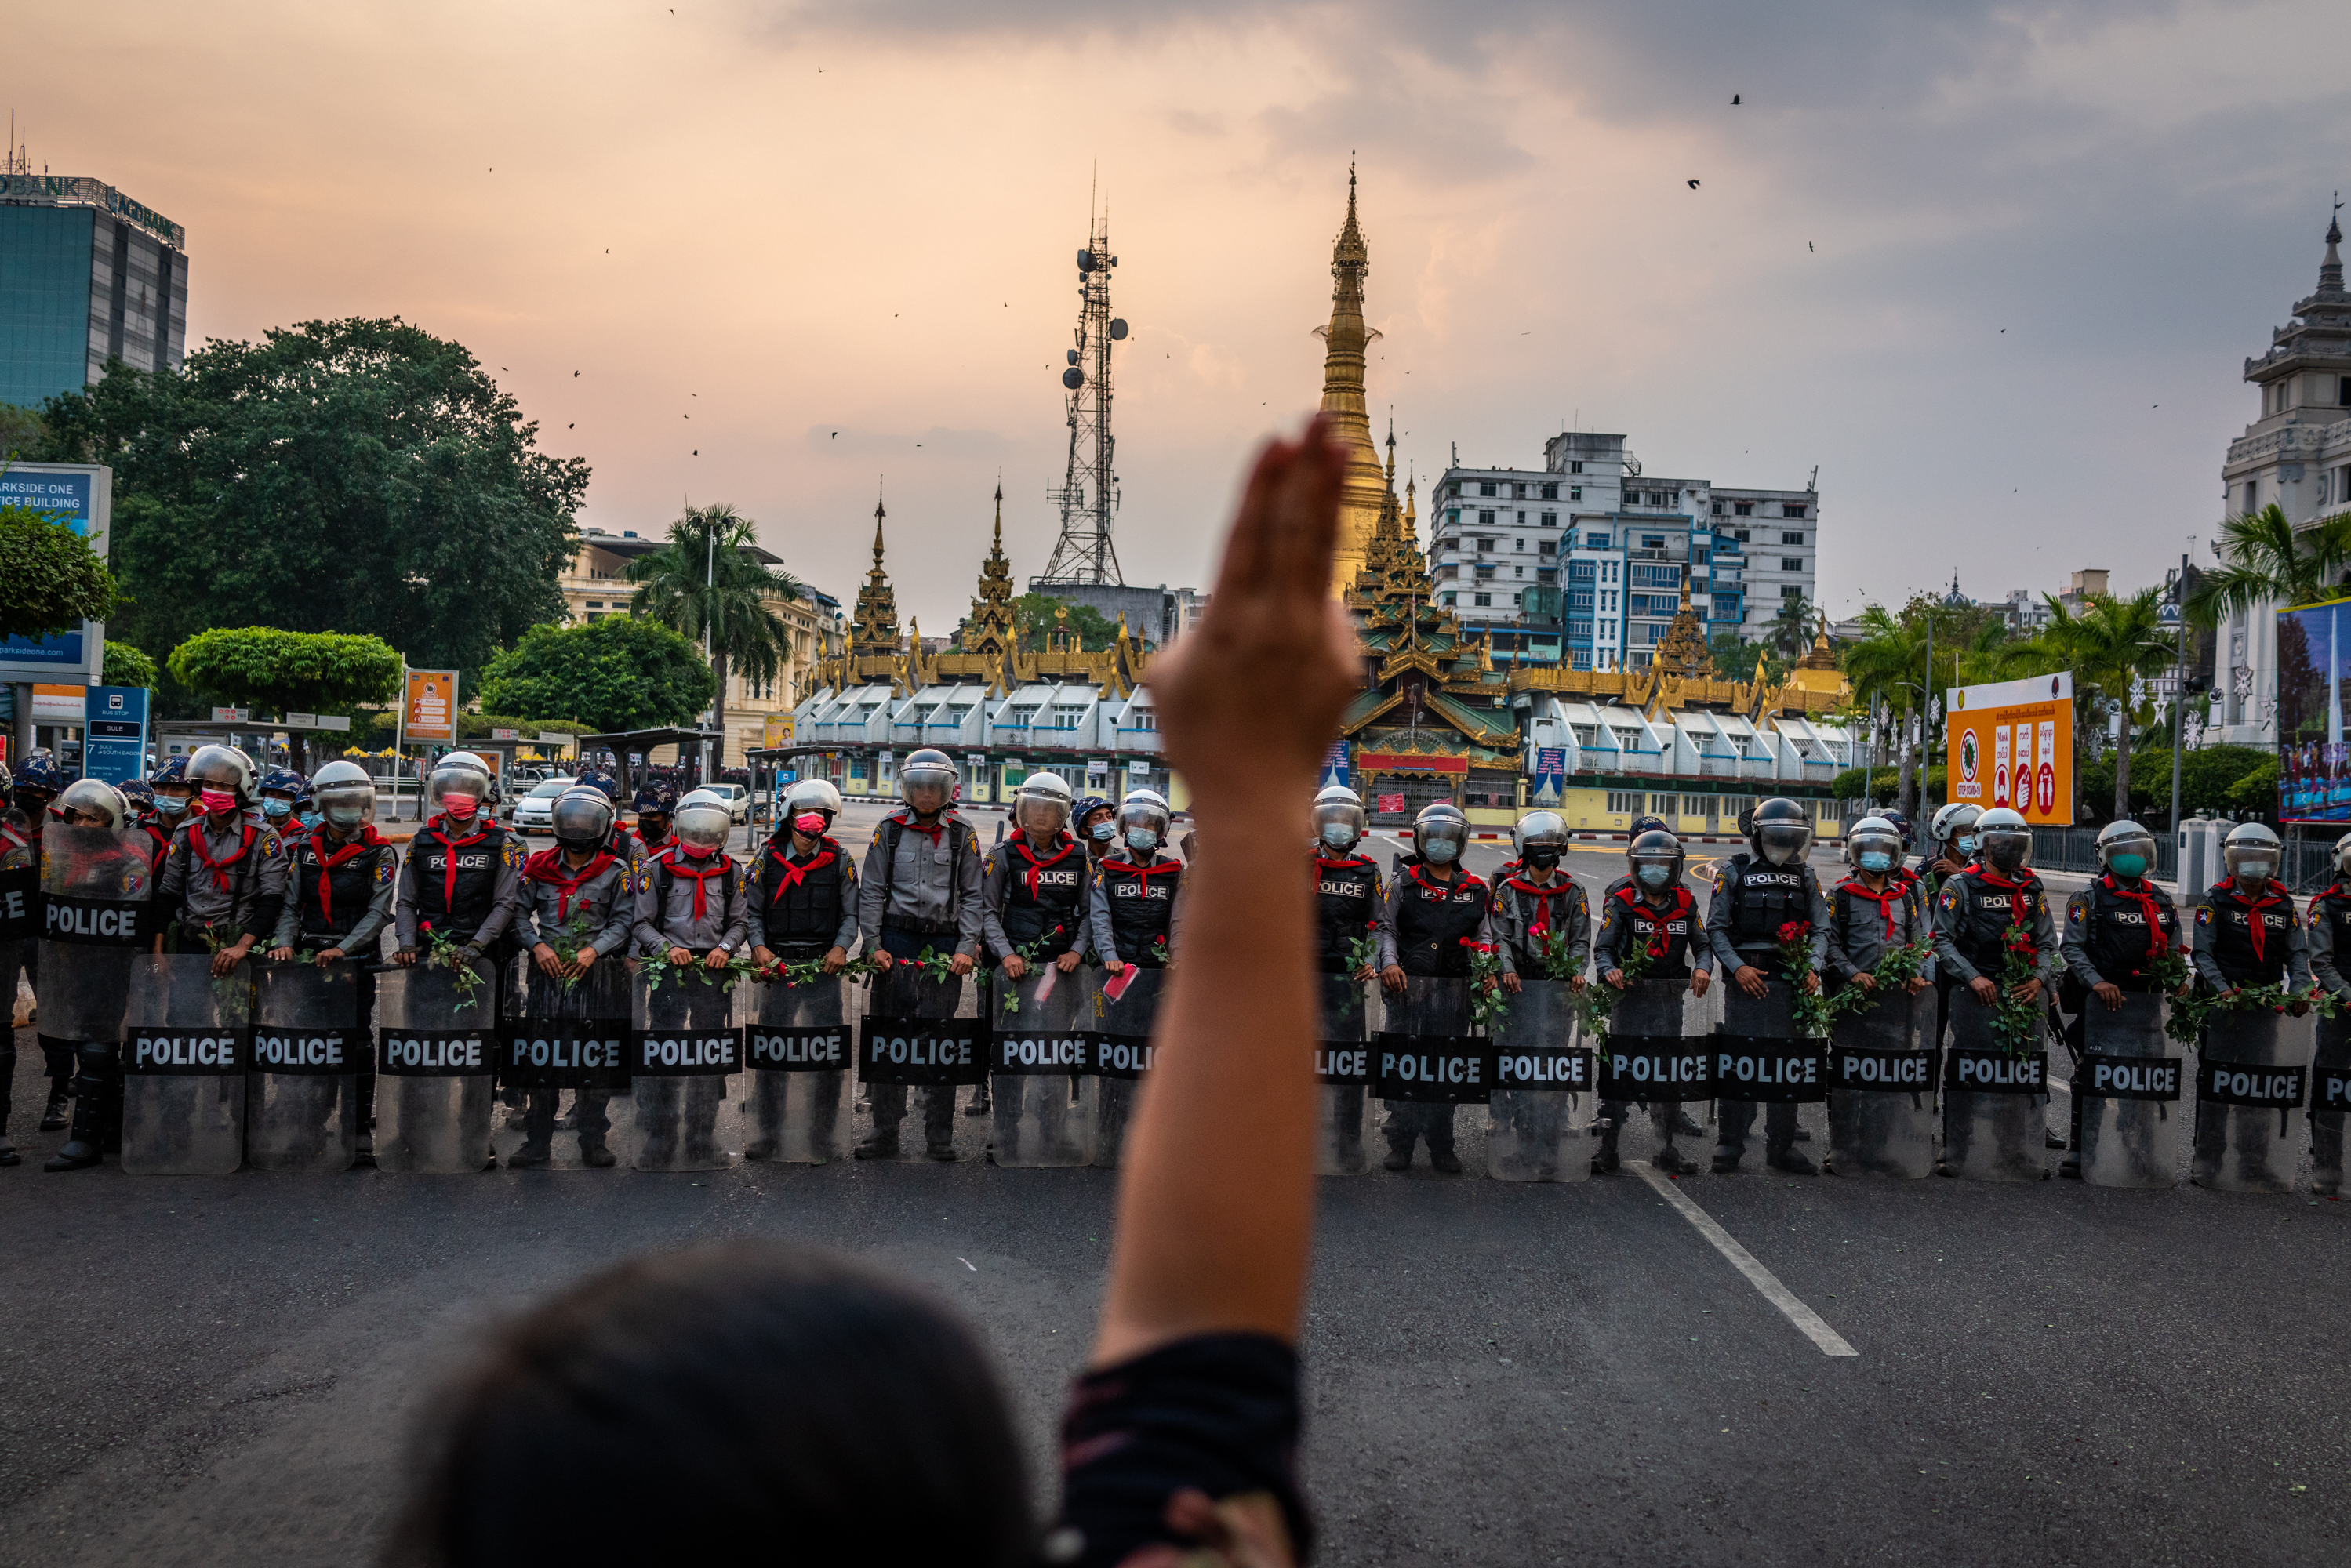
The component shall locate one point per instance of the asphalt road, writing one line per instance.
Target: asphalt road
(223, 1371)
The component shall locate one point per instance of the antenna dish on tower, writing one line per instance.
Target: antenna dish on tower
(1074, 378)
(1085, 261)
(1088, 494)
(1118, 329)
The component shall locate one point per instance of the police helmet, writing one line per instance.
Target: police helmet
(138, 792)
(2251, 852)
(582, 818)
(1779, 832)
(598, 780)
(657, 798)
(1085, 809)
(460, 773)
(1657, 847)
(90, 803)
(2342, 856)
(928, 768)
(1648, 825)
(1340, 820)
(1142, 820)
(1873, 834)
(1953, 822)
(703, 820)
(2005, 839)
(1440, 832)
(225, 768)
(2126, 837)
(1041, 803)
(174, 771)
(282, 781)
(40, 771)
(1541, 837)
(344, 794)
(1901, 823)
(809, 795)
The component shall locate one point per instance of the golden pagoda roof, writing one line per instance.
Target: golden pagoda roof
(1362, 494)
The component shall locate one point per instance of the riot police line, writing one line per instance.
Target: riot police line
(611, 969)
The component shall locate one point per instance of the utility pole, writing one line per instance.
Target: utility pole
(2179, 685)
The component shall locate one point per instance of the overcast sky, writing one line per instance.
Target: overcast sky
(1994, 268)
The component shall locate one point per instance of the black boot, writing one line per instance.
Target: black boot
(882, 1145)
(1605, 1163)
(1399, 1157)
(1673, 1162)
(1790, 1161)
(979, 1105)
(8, 1155)
(1445, 1161)
(53, 1115)
(83, 1149)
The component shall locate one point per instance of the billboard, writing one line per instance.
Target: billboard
(81, 494)
(2312, 664)
(2010, 743)
(431, 708)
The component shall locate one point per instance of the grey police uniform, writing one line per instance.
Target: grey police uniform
(1752, 900)
(920, 888)
(557, 907)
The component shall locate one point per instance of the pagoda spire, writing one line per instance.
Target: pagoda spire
(2330, 270)
(1364, 492)
(990, 629)
(874, 629)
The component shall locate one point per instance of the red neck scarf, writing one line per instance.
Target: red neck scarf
(1884, 901)
(795, 872)
(2157, 944)
(438, 830)
(1156, 868)
(1068, 846)
(1539, 926)
(1662, 941)
(1990, 878)
(219, 868)
(548, 866)
(329, 859)
(2255, 927)
(678, 865)
(1461, 879)
(905, 819)
(1353, 863)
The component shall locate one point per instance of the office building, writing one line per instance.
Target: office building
(86, 275)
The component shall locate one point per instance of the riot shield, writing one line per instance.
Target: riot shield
(924, 1035)
(684, 1046)
(95, 886)
(1995, 1101)
(1426, 1062)
(2330, 1099)
(1343, 1063)
(437, 1060)
(1045, 1102)
(1658, 1045)
(563, 1038)
(1881, 1076)
(301, 1090)
(2129, 1085)
(800, 1046)
(2248, 1086)
(186, 1036)
(1542, 1099)
(1121, 1042)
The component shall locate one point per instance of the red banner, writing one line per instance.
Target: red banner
(1389, 803)
(1391, 762)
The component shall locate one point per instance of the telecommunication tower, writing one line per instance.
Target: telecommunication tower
(1088, 494)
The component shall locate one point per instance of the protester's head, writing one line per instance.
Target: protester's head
(686, 1406)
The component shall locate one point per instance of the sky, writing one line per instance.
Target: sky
(1992, 268)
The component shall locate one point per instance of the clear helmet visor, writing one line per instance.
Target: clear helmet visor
(2142, 845)
(582, 817)
(87, 802)
(926, 783)
(2008, 849)
(702, 823)
(225, 768)
(1862, 845)
(2254, 863)
(1145, 814)
(473, 783)
(1339, 823)
(1040, 811)
(1782, 843)
(1450, 831)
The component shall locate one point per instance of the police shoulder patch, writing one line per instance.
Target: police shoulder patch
(383, 870)
(511, 854)
(1950, 899)
(2203, 915)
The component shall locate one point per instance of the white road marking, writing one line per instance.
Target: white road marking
(1808, 1322)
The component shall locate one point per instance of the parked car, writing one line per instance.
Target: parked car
(535, 812)
(738, 801)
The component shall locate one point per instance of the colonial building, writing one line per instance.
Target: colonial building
(2296, 456)
(1001, 711)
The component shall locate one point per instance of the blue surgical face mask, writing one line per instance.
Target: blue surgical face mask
(2253, 871)
(346, 816)
(2129, 867)
(275, 808)
(1338, 835)
(308, 816)
(173, 805)
(1656, 875)
(1967, 844)
(1439, 852)
(1877, 860)
(1102, 831)
(1142, 839)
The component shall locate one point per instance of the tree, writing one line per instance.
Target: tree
(126, 666)
(706, 581)
(2267, 561)
(1034, 618)
(1789, 632)
(1734, 657)
(2111, 644)
(21, 431)
(624, 671)
(51, 580)
(291, 672)
(358, 475)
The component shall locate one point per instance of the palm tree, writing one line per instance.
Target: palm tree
(1889, 664)
(706, 583)
(2267, 560)
(2111, 645)
(1791, 630)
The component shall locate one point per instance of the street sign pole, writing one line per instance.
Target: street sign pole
(2178, 685)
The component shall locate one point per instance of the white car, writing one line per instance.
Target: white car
(738, 801)
(535, 812)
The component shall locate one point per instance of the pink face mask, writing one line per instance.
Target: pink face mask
(217, 802)
(699, 852)
(458, 804)
(811, 823)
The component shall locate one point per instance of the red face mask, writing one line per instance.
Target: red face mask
(458, 804)
(811, 823)
(699, 852)
(217, 803)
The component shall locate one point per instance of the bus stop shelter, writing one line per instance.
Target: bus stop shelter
(643, 743)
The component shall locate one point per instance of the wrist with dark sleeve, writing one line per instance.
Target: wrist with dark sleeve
(1214, 1414)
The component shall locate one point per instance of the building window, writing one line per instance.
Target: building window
(1625, 802)
(1575, 492)
(1579, 570)
(1486, 516)
(1791, 590)
(1547, 547)
(1447, 571)
(1546, 574)
(1447, 599)
(1485, 546)
(1792, 538)
(1484, 572)
(1550, 492)
(1022, 716)
(595, 604)
(1453, 518)
(1141, 718)
(1482, 599)
(1741, 533)
(1791, 563)
(1518, 571)
(2343, 392)
(1551, 519)
(1518, 492)
(1486, 487)
(1665, 805)
(1653, 542)
(1519, 543)
(1522, 517)
(1743, 508)
(1067, 717)
(1794, 509)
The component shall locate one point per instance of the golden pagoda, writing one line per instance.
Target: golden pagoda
(1365, 492)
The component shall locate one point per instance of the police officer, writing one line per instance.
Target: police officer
(691, 904)
(281, 787)
(1537, 904)
(2114, 929)
(1440, 914)
(2246, 930)
(1901, 825)
(225, 878)
(1132, 906)
(1034, 890)
(656, 799)
(463, 876)
(803, 887)
(2328, 929)
(1350, 901)
(39, 780)
(1091, 820)
(1978, 904)
(1875, 907)
(104, 868)
(920, 888)
(1648, 910)
(139, 796)
(20, 885)
(1756, 895)
(20, 847)
(1683, 1122)
(579, 896)
(624, 844)
(173, 795)
(341, 877)
(1953, 830)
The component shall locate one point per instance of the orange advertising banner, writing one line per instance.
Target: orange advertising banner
(2012, 743)
(432, 707)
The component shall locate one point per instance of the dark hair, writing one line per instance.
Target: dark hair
(685, 1407)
